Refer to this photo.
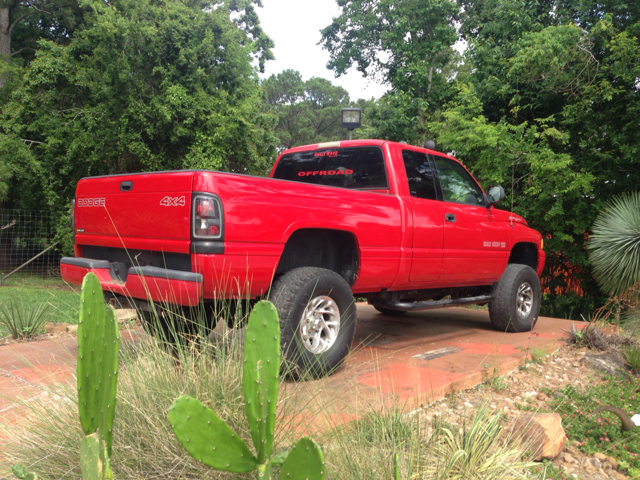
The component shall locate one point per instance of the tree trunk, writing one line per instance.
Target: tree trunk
(5, 41)
(5, 33)
(430, 79)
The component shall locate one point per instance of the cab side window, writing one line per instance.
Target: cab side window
(420, 175)
(456, 183)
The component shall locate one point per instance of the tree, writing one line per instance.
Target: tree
(23, 22)
(143, 86)
(308, 112)
(406, 43)
(553, 89)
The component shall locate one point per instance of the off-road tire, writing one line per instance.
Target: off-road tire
(389, 312)
(503, 310)
(291, 294)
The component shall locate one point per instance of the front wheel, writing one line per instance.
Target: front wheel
(516, 303)
(317, 319)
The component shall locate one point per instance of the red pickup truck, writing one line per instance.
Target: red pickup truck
(406, 227)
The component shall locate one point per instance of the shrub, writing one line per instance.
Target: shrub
(614, 248)
(22, 321)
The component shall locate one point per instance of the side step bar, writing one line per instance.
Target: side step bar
(428, 305)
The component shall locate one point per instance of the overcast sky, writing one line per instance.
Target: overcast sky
(294, 26)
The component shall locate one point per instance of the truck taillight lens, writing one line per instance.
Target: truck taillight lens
(207, 217)
(73, 215)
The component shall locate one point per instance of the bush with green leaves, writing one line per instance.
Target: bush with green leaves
(614, 247)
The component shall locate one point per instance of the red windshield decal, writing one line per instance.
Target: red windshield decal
(326, 154)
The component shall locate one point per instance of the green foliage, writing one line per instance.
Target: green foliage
(417, 34)
(407, 44)
(208, 438)
(22, 321)
(142, 86)
(601, 432)
(631, 356)
(614, 247)
(54, 20)
(308, 112)
(98, 345)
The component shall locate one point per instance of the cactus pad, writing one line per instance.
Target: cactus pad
(207, 438)
(305, 461)
(90, 461)
(98, 343)
(260, 372)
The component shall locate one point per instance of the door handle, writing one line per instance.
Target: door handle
(450, 217)
(126, 186)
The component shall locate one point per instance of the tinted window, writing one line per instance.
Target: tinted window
(420, 174)
(356, 167)
(456, 183)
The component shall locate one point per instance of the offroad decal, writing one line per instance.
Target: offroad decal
(173, 201)
(325, 172)
(90, 202)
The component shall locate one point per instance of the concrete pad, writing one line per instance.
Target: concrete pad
(419, 357)
(405, 361)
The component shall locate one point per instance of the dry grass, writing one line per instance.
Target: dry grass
(151, 377)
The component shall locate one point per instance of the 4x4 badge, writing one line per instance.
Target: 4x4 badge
(173, 201)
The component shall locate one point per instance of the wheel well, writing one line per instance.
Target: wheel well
(525, 254)
(313, 247)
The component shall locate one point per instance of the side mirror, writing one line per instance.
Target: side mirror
(495, 194)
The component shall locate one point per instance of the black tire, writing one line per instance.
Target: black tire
(516, 303)
(291, 294)
(388, 311)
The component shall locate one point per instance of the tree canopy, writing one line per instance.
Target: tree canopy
(308, 112)
(143, 86)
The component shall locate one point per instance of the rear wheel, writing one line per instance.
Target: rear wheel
(317, 319)
(516, 303)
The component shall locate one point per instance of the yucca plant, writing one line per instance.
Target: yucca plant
(631, 356)
(22, 321)
(473, 453)
(614, 247)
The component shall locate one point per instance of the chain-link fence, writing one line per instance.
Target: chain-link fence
(24, 236)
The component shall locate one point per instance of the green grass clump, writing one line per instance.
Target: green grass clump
(601, 432)
(63, 303)
(23, 321)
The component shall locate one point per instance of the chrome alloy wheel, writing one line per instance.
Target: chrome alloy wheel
(524, 300)
(320, 324)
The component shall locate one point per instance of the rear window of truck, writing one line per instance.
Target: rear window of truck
(354, 167)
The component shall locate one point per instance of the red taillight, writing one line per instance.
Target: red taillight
(205, 208)
(207, 217)
(73, 215)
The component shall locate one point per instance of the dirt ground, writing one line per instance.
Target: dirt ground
(556, 370)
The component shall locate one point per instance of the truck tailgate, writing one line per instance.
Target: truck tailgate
(127, 211)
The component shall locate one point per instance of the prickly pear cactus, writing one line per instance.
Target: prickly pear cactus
(98, 344)
(207, 438)
(90, 461)
(396, 467)
(305, 461)
(260, 372)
